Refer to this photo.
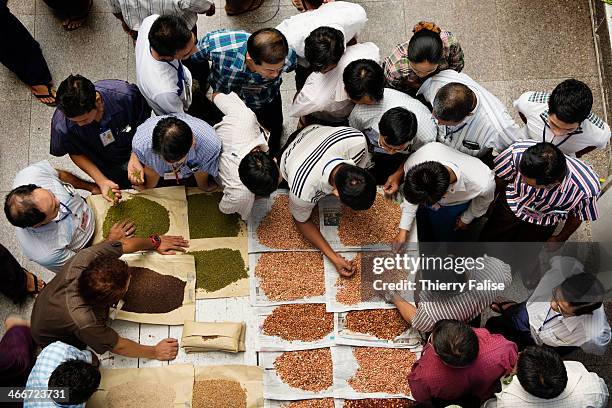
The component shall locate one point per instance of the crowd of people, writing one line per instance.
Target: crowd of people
(206, 111)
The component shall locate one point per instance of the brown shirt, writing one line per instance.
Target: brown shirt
(60, 314)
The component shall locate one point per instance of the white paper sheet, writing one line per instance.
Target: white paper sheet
(410, 339)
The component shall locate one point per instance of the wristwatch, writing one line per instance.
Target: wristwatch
(155, 240)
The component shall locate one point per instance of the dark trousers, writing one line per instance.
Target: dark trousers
(16, 356)
(13, 280)
(188, 182)
(20, 52)
(385, 165)
(72, 8)
(439, 225)
(513, 324)
(271, 117)
(117, 173)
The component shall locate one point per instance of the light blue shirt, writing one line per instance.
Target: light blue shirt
(49, 359)
(52, 244)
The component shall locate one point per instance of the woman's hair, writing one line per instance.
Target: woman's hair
(425, 44)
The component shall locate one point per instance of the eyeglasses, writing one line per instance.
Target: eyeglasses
(395, 149)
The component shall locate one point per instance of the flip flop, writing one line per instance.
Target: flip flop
(80, 20)
(498, 307)
(50, 94)
(36, 291)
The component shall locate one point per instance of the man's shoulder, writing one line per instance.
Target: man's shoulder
(116, 89)
(225, 40)
(34, 173)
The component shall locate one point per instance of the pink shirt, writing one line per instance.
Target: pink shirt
(431, 378)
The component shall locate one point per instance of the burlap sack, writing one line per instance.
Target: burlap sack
(250, 377)
(173, 199)
(213, 336)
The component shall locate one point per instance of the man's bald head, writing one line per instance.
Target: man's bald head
(454, 102)
(267, 45)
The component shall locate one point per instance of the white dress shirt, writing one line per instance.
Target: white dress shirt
(366, 118)
(584, 389)
(158, 80)
(593, 131)
(53, 244)
(475, 182)
(324, 94)
(350, 18)
(135, 11)
(591, 332)
(490, 126)
(240, 133)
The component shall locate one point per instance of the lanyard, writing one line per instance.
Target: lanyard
(67, 214)
(449, 135)
(180, 73)
(575, 132)
(548, 319)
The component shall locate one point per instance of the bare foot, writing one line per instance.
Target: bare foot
(31, 282)
(14, 320)
(70, 24)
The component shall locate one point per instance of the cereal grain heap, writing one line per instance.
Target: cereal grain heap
(304, 322)
(309, 370)
(382, 370)
(278, 230)
(378, 225)
(384, 324)
(219, 394)
(291, 275)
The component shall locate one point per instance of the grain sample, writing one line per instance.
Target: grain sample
(278, 230)
(378, 225)
(303, 322)
(205, 219)
(384, 324)
(137, 394)
(311, 403)
(152, 292)
(148, 217)
(378, 403)
(218, 394)
(218, 268)
(382, 370)
(351, 290)
(291, 275)
(309, 370)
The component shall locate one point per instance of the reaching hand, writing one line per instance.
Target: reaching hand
(135, 171)
(344, 267)
(120, 230)
(400, 240)
(167, 349)
(170, 244)
(110, 191)
(391, 185)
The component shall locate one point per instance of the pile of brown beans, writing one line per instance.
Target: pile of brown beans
(378, 403)
(312, 403)
(384, 324)
(304, 322)
(291, 275)
(218, 394)
(277, 229)
(309, 370)
(382, 370)
(378, 225)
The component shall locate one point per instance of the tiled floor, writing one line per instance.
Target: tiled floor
(510, 46)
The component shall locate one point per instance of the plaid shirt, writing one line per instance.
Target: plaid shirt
(49, 359)
(400, 76)
(576, 195)
(226, 50)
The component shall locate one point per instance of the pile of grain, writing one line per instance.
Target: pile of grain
(381, 323)
(378, 403)
(382, 370)
(377, 225)
(152, 292)
(218, 268)
(148, 217)
(137, 394)
(291, 275)
(309, 370)
(218, 394)
(304, 322)
(352, 290)
(205, 219)
(278, 230)
(312, 403)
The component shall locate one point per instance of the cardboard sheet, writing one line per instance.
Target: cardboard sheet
(250, 377)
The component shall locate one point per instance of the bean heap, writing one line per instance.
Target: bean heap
(384, 324)
(304, 322)
(312, 403)
(277, 229)
(382, 370)
(219, 394)
(374, 226)
(309, 370)
(291, 275)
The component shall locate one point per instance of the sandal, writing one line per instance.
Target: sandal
(50, 95)
(498, 307)
(255, 4)
(73, 23)
(36, 290)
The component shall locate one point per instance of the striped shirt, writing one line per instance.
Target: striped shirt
(576, 195)
(309, 160)
(593, 131)
(134, 11)
(226, 50)
(366, 118)
(466, 305)
(202, 157)
(489, 126)
(591, 332)
(48, 360)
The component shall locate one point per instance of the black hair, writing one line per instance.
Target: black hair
(543, 162)
(169, 34)
(454, 102)
(541, 372)
(104, 280)
(172, 139)
(356, 187)
(19, 208)
(398, 126)
(364, 77)
(323, 47)
(267, 45)
(314, 4)
(426, 183)
(259, 173)
(571, 101)
(425, 45)
(455, 342)
(584, 293)
(80, 377)
(76, 96)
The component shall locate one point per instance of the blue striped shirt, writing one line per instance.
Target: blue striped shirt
(576, 195)
(226, 50)
(203, 156)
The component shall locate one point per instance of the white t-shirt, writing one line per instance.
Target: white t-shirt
(158, 80)
(593, 131)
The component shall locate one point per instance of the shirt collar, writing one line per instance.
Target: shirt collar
(544, 116)
(331, 165)
(239, 63)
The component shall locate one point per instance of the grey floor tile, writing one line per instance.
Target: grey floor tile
(14, 140)
(600, 160)
(99, 6)
(22, 6)
(7, 308)
(206, 23)
(546, 39)
(11, 88)
(265, 16)
(472, 22)
(500, 90)
(98, 51)
(386, 35)
(289, 122)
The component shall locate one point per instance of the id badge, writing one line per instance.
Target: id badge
(84, 221)
(536, 215)
(169, 176)
(107, 138)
